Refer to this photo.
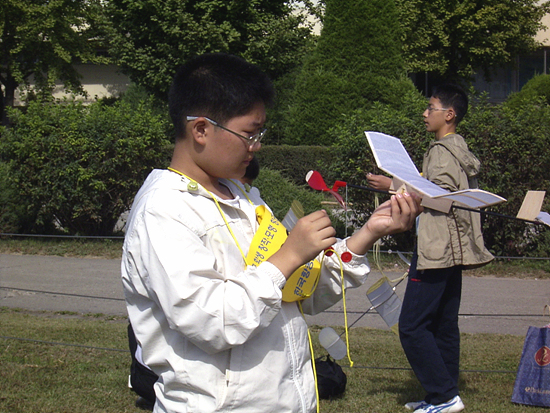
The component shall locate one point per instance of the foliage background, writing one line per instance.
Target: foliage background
(77, 168)
(74, 169)
(455, 39)
(150, 39)
(41, 41)
(356, 63)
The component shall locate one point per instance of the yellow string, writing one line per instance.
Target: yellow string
(345, 323)
(243, 192)
(310, 341)
(345, 309)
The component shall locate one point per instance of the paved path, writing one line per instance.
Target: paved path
(489, 304)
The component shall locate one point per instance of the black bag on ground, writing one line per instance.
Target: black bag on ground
(331, 379)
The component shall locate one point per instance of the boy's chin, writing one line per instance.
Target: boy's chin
(236, 175)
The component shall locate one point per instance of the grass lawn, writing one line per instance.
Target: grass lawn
(65, 363)
(73, 363)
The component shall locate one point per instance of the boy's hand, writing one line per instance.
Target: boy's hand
(379, 182)
(396, 215)
(311, 235)
(393, 216)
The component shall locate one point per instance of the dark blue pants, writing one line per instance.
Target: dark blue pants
(141, 378)
(428, 329)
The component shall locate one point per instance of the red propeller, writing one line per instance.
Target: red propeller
(316, 181)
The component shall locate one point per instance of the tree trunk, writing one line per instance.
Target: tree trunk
(7, 99)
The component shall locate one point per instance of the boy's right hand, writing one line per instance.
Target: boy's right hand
(379, 182)
(311, 235)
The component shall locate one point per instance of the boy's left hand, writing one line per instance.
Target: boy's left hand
(396, 215)
(393, 216)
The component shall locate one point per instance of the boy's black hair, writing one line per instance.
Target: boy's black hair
(452, 96)
(253, 169)
(219, 86)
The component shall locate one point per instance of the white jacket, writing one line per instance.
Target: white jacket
(217, 333)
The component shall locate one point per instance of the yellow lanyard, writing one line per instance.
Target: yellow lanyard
(266, 241)
(219, 209)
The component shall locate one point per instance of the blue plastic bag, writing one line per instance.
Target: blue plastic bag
(532, 384)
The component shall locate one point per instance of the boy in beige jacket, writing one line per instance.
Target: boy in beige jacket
(446, 244)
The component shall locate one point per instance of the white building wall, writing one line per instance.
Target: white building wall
(98, 81)
(543, 36)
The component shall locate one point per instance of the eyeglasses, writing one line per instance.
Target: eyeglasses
(251, 140)
(430, 109)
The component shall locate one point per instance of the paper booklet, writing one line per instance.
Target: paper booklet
(391, 157)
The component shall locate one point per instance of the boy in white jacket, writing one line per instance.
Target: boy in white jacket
(212, 327)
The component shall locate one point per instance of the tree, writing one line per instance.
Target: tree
(42, 39)
(151, 38)
(357, 61)
(457, 38)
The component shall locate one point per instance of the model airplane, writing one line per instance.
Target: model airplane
(392, 158)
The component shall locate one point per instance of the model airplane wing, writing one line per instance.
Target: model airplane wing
(295, 212)
(391, 157)
(530, 208)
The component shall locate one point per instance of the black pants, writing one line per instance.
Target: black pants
(428, 329)
(142, 379)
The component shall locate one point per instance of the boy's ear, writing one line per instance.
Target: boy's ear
(450, 116)
(198, 130)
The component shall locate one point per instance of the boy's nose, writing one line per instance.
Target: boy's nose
(255, 147)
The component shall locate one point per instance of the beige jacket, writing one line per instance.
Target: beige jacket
(447, 240)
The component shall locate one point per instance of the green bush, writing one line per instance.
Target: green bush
(80, 166)
(294, 162)
(534, 90)
(512, 144)
(8, 216)
(15, 217)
